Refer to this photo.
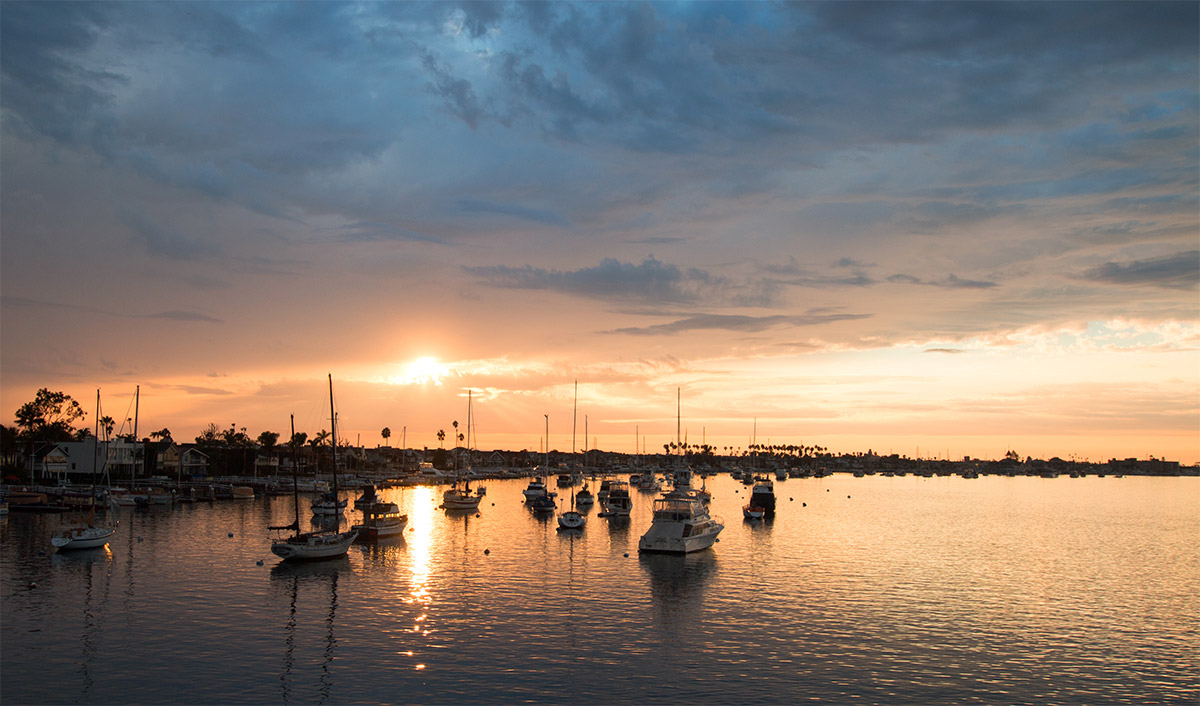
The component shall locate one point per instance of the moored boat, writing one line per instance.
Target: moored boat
(321, 544)
(763, 496)
(381, 520)
(86, 534)
(680, 525)
(617, 503)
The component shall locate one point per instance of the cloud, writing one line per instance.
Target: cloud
(171, 315)
(951, 281)
(651, 281)
(1178, 271)
(372, 231)
(729, 322)
(182, 316)
(163, 241)
(952, 351)
(520, 212)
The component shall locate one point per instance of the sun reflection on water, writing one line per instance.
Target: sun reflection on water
(421, 543)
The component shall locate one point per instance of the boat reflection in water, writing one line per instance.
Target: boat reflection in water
(318, 579)
(677, 586)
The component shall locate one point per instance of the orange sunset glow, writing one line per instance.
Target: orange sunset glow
(934, 274)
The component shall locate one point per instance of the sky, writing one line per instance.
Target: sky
(932, 229)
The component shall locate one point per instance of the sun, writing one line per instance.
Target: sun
(425, 369)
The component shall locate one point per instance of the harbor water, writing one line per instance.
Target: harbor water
(875, 590)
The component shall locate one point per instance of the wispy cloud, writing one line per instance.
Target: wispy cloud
(651, 281)
(733, 322)
(950, 281)
(1178, 271)
(522, 212)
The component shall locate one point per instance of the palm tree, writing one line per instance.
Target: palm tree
(386, 434)
(441, 437)
(107, 423)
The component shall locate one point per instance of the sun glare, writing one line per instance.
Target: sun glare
(422, 370)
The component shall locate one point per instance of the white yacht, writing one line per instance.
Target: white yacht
(681, 525)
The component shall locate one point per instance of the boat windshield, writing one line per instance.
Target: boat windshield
(673, 509)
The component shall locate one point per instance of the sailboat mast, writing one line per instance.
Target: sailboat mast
(96, 449)
(574, 419)
(295, 477)
(677, 439)
(468, 479)
(333, 435)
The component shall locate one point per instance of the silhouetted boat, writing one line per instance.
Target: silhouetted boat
(321, 544)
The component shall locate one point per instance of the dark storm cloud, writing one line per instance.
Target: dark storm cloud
(652, 282)
(1178, 271)
(733, 322)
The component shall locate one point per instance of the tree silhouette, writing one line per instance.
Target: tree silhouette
(386, 434)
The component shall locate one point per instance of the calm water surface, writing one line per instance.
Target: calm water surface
(865, 590)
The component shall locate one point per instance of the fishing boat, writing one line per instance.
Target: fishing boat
(456, 498)
(86, 534)
(381, 520)
(321, 544)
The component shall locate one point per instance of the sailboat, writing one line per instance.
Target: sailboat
(321, 544)
(87, 534)
(681, 523)
(462, 498)
(543, 501)
(572, 519)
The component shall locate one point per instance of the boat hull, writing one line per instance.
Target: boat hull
(88, 538)
(571, 520)
(314, 546)
(454, 500)
(663, 544)
(372, 534)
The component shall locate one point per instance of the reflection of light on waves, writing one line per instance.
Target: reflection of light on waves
(420, 541)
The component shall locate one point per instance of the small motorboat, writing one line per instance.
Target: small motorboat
(753, 512)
